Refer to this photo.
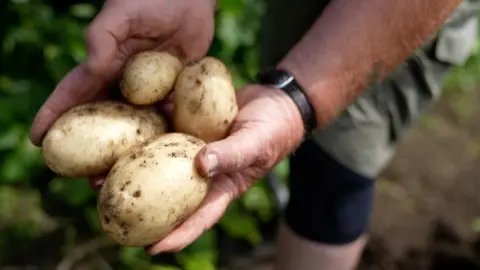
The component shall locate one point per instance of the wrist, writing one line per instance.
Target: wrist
(282, 79)
(317, 88)
(283, 109)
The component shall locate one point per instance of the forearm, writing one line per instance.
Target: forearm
(355, 43)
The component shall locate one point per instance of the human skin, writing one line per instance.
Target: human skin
(353, 43)
(121, 29)
(356, 43)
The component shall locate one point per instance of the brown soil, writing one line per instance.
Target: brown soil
(429, 197)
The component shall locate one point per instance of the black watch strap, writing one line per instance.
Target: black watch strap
(283, 80)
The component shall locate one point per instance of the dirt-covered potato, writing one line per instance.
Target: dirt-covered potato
(149, 76)
(152, 189)
(204, 99)
(88, 139)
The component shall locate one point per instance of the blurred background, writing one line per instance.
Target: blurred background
(427, 213)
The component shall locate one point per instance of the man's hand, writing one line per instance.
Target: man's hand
(267, 128)
(122, 28)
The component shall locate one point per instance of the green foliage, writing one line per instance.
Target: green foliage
(201, 255)
(41, 43)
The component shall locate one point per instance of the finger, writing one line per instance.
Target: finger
(96, 182)
(210, 211)
(70, 91)
(85, 81)
(167, 110)
(119, 26)
(169, 98)
(105, 40)
(166, 106)
(236, 152)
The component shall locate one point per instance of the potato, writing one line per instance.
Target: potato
(88, 139)
(149, 76)
(151, 189)
(205, 101)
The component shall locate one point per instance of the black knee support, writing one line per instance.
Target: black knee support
(329, 203)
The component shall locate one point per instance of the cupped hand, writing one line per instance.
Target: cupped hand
(267, 128)
(122, 28)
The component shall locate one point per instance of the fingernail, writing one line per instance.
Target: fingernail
(212, 164)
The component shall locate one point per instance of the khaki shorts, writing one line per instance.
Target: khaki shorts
(364, 137)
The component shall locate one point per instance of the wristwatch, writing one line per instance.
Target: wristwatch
(283, 80)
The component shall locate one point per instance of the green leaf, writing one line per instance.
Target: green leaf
(228, 32)
(26, 228)
(240, 226)
(83, 10)
(16, 86)
(234, 7)
(19, 1)
(24, 35)
(205, 243)
(252, 63)
(257, 200)
(12, 136)
(164, 267)
(91, 216)
(73, 191)
(51, 51)
(134, 258)
(195, 261)
(20, 162)
(201, 254)
(238, 80)
(5, 83)
(78, 51)
(282, 169)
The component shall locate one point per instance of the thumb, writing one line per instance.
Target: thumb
(86, 81)
(105, 40)
(236, 152)
(107, 47)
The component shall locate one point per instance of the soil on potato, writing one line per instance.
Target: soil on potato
(429, 196)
